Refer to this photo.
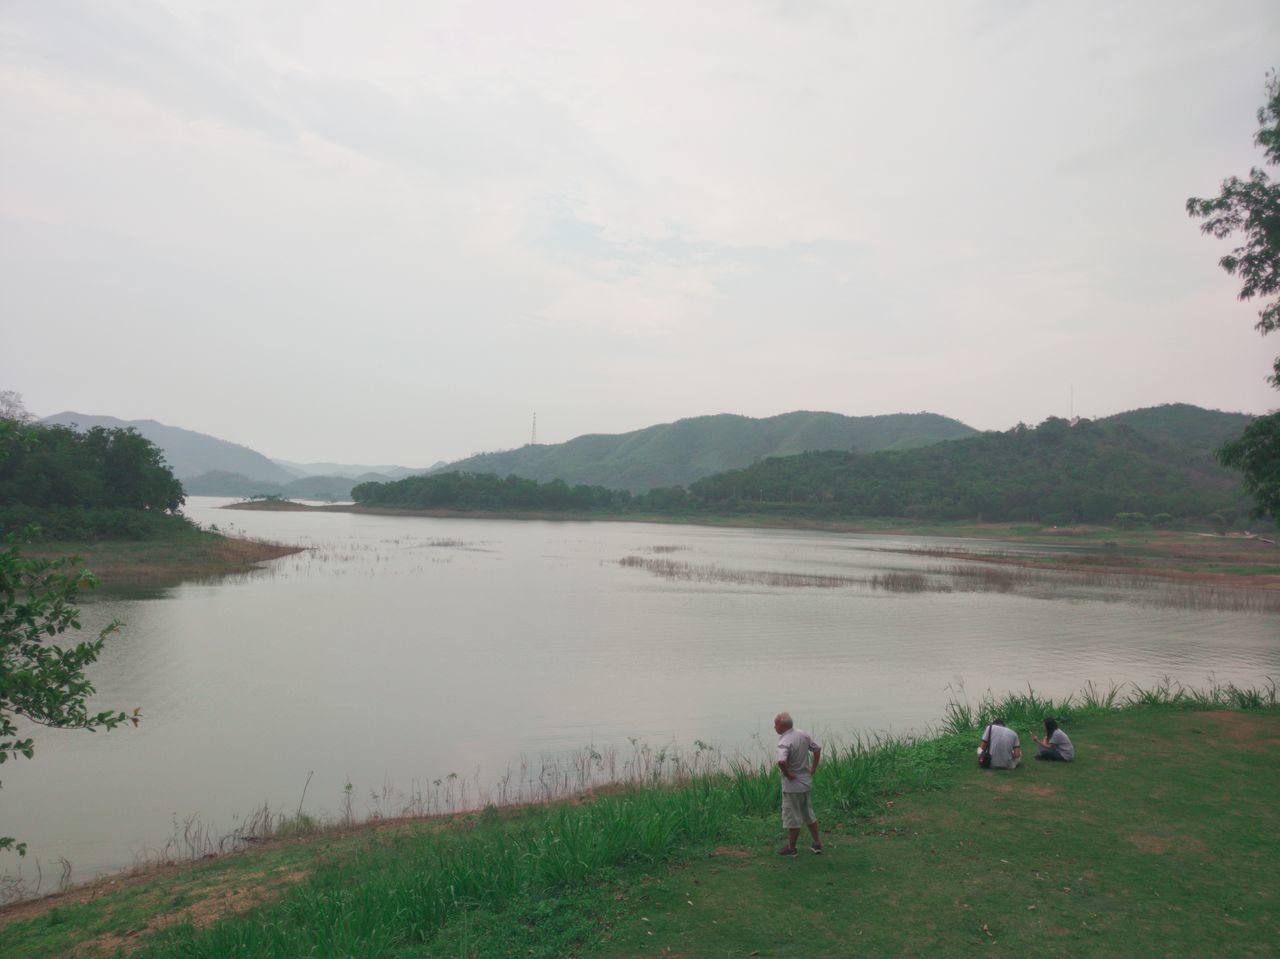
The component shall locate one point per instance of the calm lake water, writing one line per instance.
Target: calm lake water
(398, 651)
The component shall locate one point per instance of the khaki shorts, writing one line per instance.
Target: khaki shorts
(796, 810)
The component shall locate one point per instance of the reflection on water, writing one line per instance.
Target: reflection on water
(396, 653)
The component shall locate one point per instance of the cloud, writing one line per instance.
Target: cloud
(487, 206)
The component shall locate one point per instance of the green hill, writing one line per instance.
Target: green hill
(331, 488)
(676, 454)
(1147, 461)
(1181, 427)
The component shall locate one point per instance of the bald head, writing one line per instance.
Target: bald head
(781, 723)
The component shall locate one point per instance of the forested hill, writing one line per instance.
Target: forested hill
(1156, 461)
(1182, 425)
(676, 454)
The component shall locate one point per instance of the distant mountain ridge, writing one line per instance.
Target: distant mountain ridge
(208, 466)
(676, 454)
(352, 471)
(1178, 437)
(188, 453)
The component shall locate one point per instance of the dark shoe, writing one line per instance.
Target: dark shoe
(788, 851)
(817, 848)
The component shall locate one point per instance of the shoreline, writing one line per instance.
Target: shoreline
(230, 887)
(159, 562)
(1244, 561)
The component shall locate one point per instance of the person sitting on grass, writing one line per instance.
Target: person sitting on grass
(794, 749)
(1055, 746)
(1003, 744)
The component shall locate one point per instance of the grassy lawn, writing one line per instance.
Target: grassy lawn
(112, 914)
(1161, 840)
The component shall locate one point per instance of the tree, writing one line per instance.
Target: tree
(1256, 454)
(12, 408)
(56, 466)
(42, 682)
(1252, 208)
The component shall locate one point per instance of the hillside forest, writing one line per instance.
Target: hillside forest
(1132, 469)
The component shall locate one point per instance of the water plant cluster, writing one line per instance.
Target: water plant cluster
(982, 578)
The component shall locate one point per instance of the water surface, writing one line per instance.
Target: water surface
(398, 651)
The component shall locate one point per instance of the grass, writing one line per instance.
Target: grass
(193, 554)
(1159, 840)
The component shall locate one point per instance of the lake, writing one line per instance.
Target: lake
(410, 663)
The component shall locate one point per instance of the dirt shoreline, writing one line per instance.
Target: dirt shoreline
(160, 562)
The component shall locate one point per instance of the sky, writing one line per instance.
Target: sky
(392, 232)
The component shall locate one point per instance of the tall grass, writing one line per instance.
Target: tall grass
(1029, 709)
(396, 890)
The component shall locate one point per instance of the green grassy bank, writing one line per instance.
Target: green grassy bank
(1159, 841)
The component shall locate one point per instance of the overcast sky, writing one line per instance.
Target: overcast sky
(392, 231)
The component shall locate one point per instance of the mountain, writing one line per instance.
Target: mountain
(1153, 461)
(1183, 425)
(350, 471)
(208, 466)
(189, 454)
(676, 454)
(330, 488)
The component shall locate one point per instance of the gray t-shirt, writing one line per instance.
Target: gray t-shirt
(1060, 742)
(794, 747)
(1003, 741)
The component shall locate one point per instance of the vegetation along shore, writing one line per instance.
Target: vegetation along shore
(1159, 840)
(107, 497)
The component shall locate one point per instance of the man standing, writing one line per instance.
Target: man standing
(794, 749)
(1003, 744)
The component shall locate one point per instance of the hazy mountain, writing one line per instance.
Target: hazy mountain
(189, 454)
(208, 466)
(351, 471)
(330, 488)
(678, 453)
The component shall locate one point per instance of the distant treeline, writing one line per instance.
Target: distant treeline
(486, 491)
(1057, 473)
(103, 483)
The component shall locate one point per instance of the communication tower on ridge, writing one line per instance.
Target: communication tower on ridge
(533, 438)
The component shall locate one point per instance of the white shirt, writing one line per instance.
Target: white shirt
(794, 747)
